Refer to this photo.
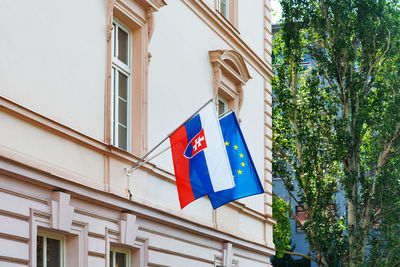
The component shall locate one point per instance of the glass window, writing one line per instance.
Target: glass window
(222, 105)
(121, 86)
(49, 250)
(119, 257)
(223, 8)
(302, 217)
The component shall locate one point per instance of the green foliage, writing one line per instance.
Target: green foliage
(282, 232)
(384, 241)
(288, 260)
(337, 126)
(304, 113)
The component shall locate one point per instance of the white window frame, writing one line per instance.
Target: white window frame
(220, 3)
(226, 104)
(61, 238)
(126, 69)
(125, 251)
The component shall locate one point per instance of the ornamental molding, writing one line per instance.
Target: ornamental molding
(150, 6)
(230, 35)
(128, 229)
(61, 211)
(229, 67)
(232, 62)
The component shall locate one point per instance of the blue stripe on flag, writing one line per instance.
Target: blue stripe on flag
(198, 170)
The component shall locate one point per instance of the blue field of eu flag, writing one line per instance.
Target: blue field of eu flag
(243, 170)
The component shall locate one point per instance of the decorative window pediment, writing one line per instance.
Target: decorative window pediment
(230, 74)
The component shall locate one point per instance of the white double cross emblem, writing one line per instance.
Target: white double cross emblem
(197, 142)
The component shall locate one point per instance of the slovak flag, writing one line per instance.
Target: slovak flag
(200, 159)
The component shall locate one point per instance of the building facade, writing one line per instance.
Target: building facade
(89, 87)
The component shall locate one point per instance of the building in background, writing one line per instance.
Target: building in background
(86, 89)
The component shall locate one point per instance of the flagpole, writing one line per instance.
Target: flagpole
(134, 167)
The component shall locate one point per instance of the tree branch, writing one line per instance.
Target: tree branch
(372, 66)
(301, 255)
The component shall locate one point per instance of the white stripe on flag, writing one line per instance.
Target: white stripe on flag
(215, 153)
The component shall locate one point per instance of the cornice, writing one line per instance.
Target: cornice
(68, 133)
(154, 4)
(219, 56)
(230, 35)
(51, 181)
(157, 4)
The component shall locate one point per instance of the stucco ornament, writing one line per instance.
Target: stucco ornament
(61, 211)
(128, 229)
(230, 74)
(109, 17)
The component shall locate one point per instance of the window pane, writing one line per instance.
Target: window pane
(120, 259)
(122, 46)
(122, 86)
(122, 112)
(221, 107)
(223, 7)
(39, 251)
(122, 134)
(53, 252)
(113, 40)
(111, 259)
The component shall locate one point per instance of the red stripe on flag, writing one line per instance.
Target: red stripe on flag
(179, 143)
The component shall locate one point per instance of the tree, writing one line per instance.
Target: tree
(337, 127)
(384, 242)
(287, 260)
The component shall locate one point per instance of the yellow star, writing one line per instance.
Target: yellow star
(239, 172)
(227, 143)
(235, 146)
(241, 155)
(243, 164)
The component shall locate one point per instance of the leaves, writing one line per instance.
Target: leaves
(337, 125)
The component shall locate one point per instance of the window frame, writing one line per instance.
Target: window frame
(117, 66)
(300, 210)
(230, 74)
(231, 11)
(227, 9)
(225, 102)
(127, 252)
(63, 252)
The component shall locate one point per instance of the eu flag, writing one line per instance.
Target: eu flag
(243, 170)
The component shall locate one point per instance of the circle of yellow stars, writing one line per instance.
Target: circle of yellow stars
(240, 155)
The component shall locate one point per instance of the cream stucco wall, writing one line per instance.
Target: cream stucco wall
(251, 22)
(181, 80)
(53, 56)
(52, 98)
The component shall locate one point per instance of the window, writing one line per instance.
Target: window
(222, 105)
(120, 257)
(121, 86)
(223, 8)
(129, 27)
(228, 9)
(50, 250)
(230, 75)
(302, 217)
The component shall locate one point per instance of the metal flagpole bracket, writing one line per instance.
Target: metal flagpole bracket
(143, 160)
(128, 174)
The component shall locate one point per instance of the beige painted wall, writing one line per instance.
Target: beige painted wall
(55, 64)
(53, 60)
